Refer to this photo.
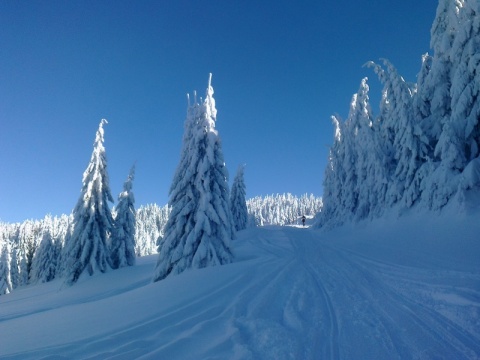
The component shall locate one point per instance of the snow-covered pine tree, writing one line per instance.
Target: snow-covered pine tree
(349, 199)
(44, 261)
(122, 246)
(333, 179)
(14, 267)
(422, 107)
(453, 82)
(5, 279)
(63, 227)
(200, 228)
(462, 144)
(86, 250)
(409, 144)
(27, 241)
(437, 82)
(149, 228)
(238, 203)
(361, 119)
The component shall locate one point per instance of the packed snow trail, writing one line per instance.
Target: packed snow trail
(291, 294)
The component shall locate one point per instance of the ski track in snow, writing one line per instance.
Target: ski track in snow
(292, 294)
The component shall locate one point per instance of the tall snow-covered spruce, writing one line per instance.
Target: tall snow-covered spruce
(122, 246)
(5, 279)
(238, 204)
(200, 228)
(44, 263)
(86, 250)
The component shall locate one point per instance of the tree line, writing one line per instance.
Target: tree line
(30, 251)
(422, 150)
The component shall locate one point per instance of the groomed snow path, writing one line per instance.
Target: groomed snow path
(368, 293)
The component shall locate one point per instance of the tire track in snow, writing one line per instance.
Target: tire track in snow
(330, 348)
(292, 310)
(448, 335)
(414, 328)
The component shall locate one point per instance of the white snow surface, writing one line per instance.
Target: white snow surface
(398, 288)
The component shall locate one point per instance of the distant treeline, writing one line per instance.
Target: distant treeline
(24, 246)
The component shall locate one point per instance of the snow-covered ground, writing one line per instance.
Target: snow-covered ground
(406, 288)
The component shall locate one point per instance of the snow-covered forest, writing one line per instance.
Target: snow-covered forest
(422, 149)
(25, 248)
(282, 209)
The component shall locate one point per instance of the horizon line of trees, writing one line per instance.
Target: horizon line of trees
(25, 245)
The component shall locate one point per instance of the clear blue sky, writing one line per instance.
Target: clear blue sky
(280, 70)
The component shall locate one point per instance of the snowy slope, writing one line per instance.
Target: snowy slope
(405, 288)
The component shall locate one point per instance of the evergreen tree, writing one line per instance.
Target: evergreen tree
(149, 228)
(44, 262)
(122, 247)
(460, 141)
(438, 80)
(14, 267)
(86, 250)
(63, 230)
(5, 279)
(334, 177)
(200, 228)
(238, 203)
(361, 119)
(453, 80)
(422, 106)
(406, 138)
(27, 240)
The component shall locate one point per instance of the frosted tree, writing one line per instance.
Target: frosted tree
(453, 81)
(422, 105)
(459, 142)
(86, 250)
(149, 228)
(361, 120)
(444, 32)
(238, 203)
(5, 279)
(353, 175)
(27, 240)
(334, 177)
(14, 267)
(200, 228)
(63, 228)
(370, 165)
(44, 262)
(437, 83)
(409, 144)
(122, 247)
(349, 199)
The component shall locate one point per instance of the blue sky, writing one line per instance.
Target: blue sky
(280, 70)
